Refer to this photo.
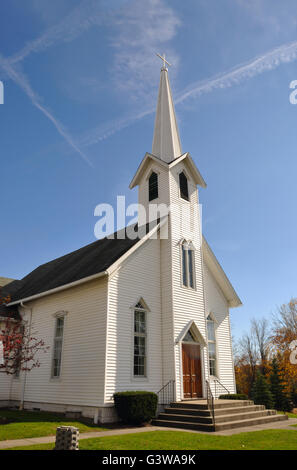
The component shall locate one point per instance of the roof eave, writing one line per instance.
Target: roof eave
(107, 272)
(59, 288)
(141, 167)
(198, 179)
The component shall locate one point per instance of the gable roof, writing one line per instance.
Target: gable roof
(85, 263)
(92, 261)
(198, 179)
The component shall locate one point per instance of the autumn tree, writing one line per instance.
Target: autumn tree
(262, 338)
(19, 345)
(284, 333)
(253, 351)
(257, 348)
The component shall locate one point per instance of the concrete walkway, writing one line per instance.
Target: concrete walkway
(30, 441)
(118, 432)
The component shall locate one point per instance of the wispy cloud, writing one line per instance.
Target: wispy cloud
(139, 30)
(266, 62)
(86, 15)
(269, 16)
(19, 79)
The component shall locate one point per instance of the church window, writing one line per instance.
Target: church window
(211, 345)
(153, 186)
(58, 343)
(183, 186)
(139, 342)
(188, 265)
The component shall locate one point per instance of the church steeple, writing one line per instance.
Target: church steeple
(166, 141)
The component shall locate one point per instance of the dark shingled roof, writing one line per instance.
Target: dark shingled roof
(9, 289)
(87, 261)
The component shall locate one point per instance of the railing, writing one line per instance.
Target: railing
(210, 402)
(217, 385)
(167, 393)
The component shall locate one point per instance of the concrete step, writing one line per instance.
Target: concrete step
(187, 411)
(251, 422)
(183, 425)
(207, 427)
(218, 411)
(218, 404)
(185, 418)
(196, 418)
(243, 416)
(238, 409)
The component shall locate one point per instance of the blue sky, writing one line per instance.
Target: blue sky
(81, 80)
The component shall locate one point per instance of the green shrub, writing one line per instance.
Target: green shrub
(136, 407)
(234, 396)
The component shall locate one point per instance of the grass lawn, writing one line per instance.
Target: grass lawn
(37, 424)
(291, 415)
(273, 439)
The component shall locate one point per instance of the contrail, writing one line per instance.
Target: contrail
(23, 83)
(87, 14)
(269, 61)
(266, 62)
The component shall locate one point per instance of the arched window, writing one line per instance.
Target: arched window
(188, 265)
(139, 366)
(58, 343)
(183, 186)
(212, 346)
(153, 186)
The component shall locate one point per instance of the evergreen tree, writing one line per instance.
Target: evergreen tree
(261, 393)
(293, 394)
(282, 401)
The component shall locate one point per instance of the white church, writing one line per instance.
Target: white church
(149, 313)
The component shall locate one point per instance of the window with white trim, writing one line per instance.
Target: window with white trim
(188, 272)
(58, 343)
(153, 186)
(139, 365)
(211, 334)
(183, 186)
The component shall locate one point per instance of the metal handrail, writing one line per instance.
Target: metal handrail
(167, 393)
(223, 386)
(210, 402)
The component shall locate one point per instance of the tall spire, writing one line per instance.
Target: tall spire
(166, 141)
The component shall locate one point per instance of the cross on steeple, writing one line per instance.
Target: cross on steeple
(164, 60)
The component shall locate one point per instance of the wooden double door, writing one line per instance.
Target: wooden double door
(192, 376)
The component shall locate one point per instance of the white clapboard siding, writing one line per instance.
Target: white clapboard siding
(5, 386)
(83, 357)
(167, 361)
(217, 305)
(188, 304)
(138, 277)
